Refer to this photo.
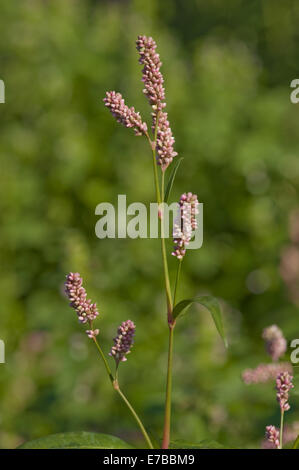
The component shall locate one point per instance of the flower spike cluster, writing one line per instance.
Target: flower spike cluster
(272, 435)
(123, 114)
(185, 223)
(276, 344)
(86, 310)
(123, 341)
(283, 386)
(155, 93)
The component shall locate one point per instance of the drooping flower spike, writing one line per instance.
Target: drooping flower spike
(185, 223)
(276, 344)
(123, 342)
(85, 309)
(126, 116)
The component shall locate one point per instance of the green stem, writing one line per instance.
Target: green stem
(163, 186)
(167, 416)
(156, 178)
(171, 322)
(138, 420)
(104, 360)
(281, 428)
(165, 264)
(115, 385)
(166, 277)
(178, 272)
(159, 200)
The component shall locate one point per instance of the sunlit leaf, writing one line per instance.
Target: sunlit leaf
(211, 304)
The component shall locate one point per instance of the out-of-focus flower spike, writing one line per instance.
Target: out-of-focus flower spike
(265, 372)
(276, 344)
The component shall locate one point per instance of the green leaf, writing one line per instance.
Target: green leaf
(211, 304)
(77, 440)
(205, 444)
(296, 443)
(171, 179)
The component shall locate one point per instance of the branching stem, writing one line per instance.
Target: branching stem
(115, 385)
(281, 428)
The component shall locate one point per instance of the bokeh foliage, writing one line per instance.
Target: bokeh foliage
(227, 68)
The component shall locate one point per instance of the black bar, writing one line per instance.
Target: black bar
(94, 458)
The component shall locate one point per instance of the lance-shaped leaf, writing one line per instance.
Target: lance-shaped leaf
(205, 444)
(296, 443)
(77, 440)
(171, 179)
(210, 303)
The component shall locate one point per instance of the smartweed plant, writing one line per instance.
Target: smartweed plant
(161, 143)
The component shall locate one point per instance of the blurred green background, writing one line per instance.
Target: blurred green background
(227, 68)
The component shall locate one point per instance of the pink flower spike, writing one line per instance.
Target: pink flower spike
(155, 93)
(276, 344)
(126, 116)
(151, 75)
(265, 372)
(283, 386)
(86, 310)
(185, 223)
(272, 435)
(123, 342)
(165, 140)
